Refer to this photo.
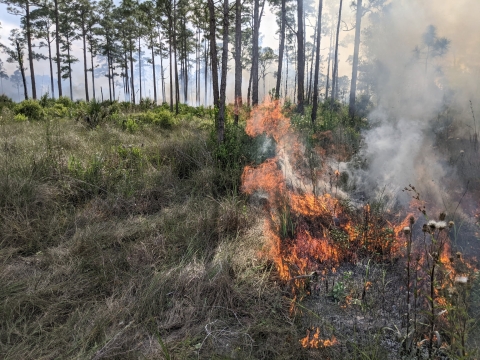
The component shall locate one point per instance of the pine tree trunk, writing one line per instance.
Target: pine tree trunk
(132, 84)
(335, 59)
(310, 78)
(223, 85)
(30, 52)
(353, 84)
(140, 67)
(255, 54)
(300, 59)
(154, 77)
(57, 44)
(317, 63)
(213, 53)
(50, 63)
(22, 70)
(93, 73)
(281, 49)
(327, 86)
(238, 63)
(85, 70)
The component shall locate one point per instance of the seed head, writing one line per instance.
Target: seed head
(442, 216)
(450, 224)
(425, 228)
(406, 230)
(432, 224)
(441, 225)
(411, 219)
(459, 255)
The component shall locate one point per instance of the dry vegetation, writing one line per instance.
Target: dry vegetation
(129, 239)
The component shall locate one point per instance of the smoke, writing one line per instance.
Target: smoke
(419, 96)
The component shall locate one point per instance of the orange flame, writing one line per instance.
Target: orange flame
(313, 341)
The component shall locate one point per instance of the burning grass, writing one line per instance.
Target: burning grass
(314, 230)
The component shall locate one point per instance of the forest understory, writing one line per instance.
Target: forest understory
(128, 232)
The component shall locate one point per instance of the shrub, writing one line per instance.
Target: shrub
(58, 110)
(46, 101)
(5, 101)
(165, 119)
(20, 118)
(130, 125)
(148, 117)
(31, 109)
(65, 101)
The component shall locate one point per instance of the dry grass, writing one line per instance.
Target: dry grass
(124, 245)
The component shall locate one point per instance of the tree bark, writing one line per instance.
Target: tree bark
(327, 86)
(22, 69)
(57, 44)
(238, 63)
(223, 85)
(85, 70)
(335, 58)
(353, 84)
(255, 53)
(300, 59)
(30, 52)
(281, 49)
(50, 63)
(154, 76)
(317, 63)
(213, 53)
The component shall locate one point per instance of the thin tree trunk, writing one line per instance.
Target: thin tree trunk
(353, 84)
(335, 60)
(238, 63)
(57, 44)
(69, 69)
(327, 87)
(310, 78)
(50, 63)
(93, 73)
(85, 70)
(132, 84)
(22, 70)
(317, 62)
(213, 53)
(255, 53)
(171, 64)
(223, 85)
(154, 77)
(281, 49)
(286, 74)
(140, 67)
(30, 52)
(206, 50)
(300, 59)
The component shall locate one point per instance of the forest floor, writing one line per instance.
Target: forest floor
(128, 240)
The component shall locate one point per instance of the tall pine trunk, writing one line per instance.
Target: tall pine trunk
(132, 84)
(281, 49)
(310, 78)
(335, 59)
(327, 86)
(22, 69)
(255, 53)
(140, 67)
(57, 45)
(353, 85)
(317, 63)
(85, 69)
(300, 59)
(223, 85)
(238, 63)
(154, 76)
(50, 63)
(30, 52)
(213, 53)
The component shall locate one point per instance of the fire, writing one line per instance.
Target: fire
(312, 340)
(309, 230)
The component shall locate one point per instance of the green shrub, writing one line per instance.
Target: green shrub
(5, 101)
(58, 111)
(129, 124)
(46, 101)
(165, 119)
(65, 101)
(20, 118)
(31, 109)
(148, 117)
